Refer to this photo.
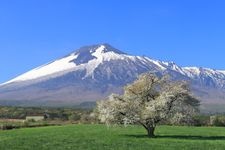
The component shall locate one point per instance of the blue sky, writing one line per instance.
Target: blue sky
(34, 32)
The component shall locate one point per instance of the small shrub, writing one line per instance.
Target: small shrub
(217, 120)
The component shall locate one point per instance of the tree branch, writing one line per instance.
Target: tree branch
(145, 126)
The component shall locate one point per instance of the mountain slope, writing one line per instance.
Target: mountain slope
(93, 72)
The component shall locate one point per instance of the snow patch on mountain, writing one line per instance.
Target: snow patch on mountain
(48, 69)
(174, 67)
(192, 71)
(221, 71)
(156, 62)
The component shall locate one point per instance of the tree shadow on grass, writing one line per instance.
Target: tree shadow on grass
(181, 137)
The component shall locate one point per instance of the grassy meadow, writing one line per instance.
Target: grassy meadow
(100, 137)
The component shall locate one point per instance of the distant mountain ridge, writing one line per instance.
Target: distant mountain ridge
(93, 72)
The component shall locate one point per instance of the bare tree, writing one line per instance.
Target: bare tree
(147, 101)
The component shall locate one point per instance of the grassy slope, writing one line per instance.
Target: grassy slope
(99, 137)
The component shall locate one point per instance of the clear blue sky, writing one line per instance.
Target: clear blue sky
(34, 32)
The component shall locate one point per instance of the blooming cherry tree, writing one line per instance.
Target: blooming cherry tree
(147, 101)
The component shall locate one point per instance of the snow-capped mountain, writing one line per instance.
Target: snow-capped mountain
(87, 59)
(93, 72)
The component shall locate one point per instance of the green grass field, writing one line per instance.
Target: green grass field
(99, 137)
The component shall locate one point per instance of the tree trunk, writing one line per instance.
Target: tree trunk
(151, 131)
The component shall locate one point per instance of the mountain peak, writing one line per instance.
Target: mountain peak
(92, 48)
(87, 53)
